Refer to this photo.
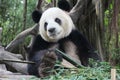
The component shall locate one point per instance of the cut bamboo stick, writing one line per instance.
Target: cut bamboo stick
(113, 74)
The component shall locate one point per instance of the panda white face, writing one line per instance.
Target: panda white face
(55, 24)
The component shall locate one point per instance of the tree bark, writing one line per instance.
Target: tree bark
(115, 33)
(24, 14)
(77, 10)
(38, 7)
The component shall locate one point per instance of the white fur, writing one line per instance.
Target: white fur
(61, 31)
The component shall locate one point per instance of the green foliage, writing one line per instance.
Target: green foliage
(111, 41)
(11, 18)
(99, 72)
(108, 15)
(106, 19)
(48, 1)
(113, 53)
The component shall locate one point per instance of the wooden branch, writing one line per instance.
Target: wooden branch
(24, 14)
(77, 10)
(38, 7)
(21, 37)
(10, 60)
(17, 77)
(19, 56)
(3, 71)
(20, 67)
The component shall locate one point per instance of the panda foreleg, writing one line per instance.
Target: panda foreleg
(47, 64)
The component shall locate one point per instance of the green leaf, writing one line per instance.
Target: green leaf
(48, 1)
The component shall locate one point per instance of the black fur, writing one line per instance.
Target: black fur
(37, 50)
(85, 50)
(35, 57)
(36, 16)
(64, 5)
(38, 53)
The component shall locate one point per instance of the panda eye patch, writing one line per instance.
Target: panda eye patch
(45, 25)
(58, 20)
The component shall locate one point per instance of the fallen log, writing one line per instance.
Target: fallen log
(20, 67)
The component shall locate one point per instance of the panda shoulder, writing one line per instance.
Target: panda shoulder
(77, 36)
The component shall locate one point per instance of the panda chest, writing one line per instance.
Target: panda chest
(70, 48)
(72, 51)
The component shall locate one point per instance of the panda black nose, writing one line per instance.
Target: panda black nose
(51, 30)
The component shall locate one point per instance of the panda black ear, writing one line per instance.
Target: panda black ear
(36, 15)
(64, 5)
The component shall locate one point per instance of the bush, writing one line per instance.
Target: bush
(101, 71)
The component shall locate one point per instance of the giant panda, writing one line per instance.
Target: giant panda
(57, 26)
(38, 52)
(57, 30)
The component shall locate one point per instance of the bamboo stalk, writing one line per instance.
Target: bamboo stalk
(68, 58)
(10, 60)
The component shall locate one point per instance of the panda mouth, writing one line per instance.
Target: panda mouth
(54, 34)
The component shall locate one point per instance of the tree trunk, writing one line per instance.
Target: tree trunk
(90, 23)
(115, 34)
(24, 14)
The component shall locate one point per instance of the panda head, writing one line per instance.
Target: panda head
(55, 24)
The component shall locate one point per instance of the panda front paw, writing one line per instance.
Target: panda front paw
(47, 64)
